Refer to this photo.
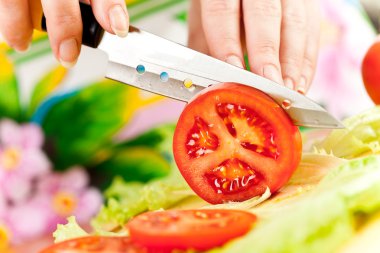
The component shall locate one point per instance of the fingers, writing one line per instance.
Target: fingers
(197, 39)
(312, 46)
(15, 23)
(112, 16)
(262, 21)
(293, 39)
(221, 24)
(64, 25)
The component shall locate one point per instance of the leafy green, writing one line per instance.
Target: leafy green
(46, 86)
(324, 219)
(360, 137)
(9, 96)
(127, 199)
(132, 164)
(80, 128)
(68, 231)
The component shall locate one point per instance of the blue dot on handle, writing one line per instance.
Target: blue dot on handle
(164, 76)
(140, 69)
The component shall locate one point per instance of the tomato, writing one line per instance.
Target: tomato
(96, 244)
(233, 141)
(371, 72)
(188, 229)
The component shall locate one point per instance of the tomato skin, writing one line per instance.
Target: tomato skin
(371, 72)
(96, 244)
(165, 231)
(276, 174)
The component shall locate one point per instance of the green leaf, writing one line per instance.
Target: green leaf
(9, 94)
(45, 87)
(132, 164)
(80, 128)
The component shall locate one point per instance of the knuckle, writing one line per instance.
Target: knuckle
(309, 64)
(66, 19)
(219, 7)
(268, 48)
(265, 9)
(295, 19)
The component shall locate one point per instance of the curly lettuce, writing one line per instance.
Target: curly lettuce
(360, 137)
(324, 219)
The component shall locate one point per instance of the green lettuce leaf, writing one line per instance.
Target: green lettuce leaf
(324, 219)
(360, 137)
(127, 199)
(68, 231)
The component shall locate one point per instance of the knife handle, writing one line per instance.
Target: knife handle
(92, 30)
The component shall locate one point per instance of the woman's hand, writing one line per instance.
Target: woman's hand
(63, 20)
(281, 37)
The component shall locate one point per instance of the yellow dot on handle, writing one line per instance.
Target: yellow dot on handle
(188, 83)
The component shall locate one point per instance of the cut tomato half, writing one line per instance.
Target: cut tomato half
(96, 244)
(233, 141)
(165, 231)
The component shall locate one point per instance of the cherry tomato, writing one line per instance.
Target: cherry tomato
(233, 141)
(371, 72)
(165, 231)
(96, 244)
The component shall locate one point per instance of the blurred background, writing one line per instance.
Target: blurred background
(66, 134)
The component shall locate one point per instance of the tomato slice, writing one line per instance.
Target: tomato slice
(233, 141)
(96, 244)
(371, 72)
(165, 231)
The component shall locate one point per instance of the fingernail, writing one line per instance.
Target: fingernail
(288, 82)
(234, 60)
(272, 73)
(119, 21)
(68, 53)
(301, 88)
(23, 48)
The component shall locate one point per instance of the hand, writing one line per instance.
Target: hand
(63, 20)
(281, 37)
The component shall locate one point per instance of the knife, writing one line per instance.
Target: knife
(157, 65)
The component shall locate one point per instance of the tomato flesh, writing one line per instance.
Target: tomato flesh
(96, 244)
(200, 140)
(233, 141)
(165, 231)
(256, 134)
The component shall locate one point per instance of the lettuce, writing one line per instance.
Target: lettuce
(323, 219)
(68, 231)
(360, 137)
(125, 199)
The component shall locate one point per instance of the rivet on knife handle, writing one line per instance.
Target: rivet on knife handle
(92, 31)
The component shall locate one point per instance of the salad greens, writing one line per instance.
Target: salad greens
(322, 221)
(360, 137)
(68, 231)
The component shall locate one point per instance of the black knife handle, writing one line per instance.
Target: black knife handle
(92, 30)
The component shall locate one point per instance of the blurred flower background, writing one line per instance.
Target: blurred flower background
(71, 141)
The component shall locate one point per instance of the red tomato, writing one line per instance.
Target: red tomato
(188, 229)
(371, 72)
(233, 141)
(95, 244)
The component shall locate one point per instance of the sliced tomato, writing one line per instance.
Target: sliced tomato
(96, 244)
(371, 72)
(164, 231)
(233, 141)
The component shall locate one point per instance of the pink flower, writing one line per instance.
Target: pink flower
(67, 194)
(21, 159)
